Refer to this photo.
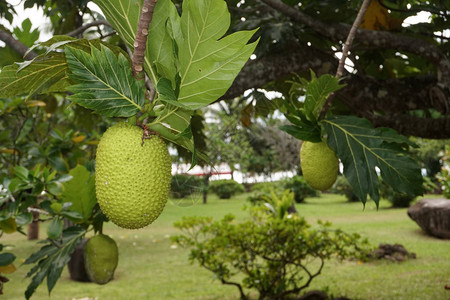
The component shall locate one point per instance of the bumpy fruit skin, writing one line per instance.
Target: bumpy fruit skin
(319, 165)
(132, 180)
(101, 257)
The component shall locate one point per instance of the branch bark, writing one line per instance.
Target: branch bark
(83, 28)
(364, 95)
(351, 36)
(140, 42)
(411, 125)
(372, 39)
(345, 51)
(16, 45)
(279, 65)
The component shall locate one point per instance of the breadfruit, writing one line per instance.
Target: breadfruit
(101, 256)
(319, 165)
(132, 177)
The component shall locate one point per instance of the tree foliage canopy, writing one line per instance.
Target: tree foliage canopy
(400, 76)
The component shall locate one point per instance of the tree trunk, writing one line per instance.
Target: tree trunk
(77, 270)
(33, 228)
(205, 188)
(292, 209)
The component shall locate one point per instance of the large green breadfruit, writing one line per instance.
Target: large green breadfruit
(132, 180)
(101, 256)
(319, 165)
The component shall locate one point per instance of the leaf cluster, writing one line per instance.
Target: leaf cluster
(57, 197)
(52, 258)
(25, 190)
(6, 261)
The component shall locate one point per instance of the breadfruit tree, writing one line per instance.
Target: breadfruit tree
(155, 64)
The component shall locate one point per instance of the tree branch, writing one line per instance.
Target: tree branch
(280, 64)
(411, 125)
(351, 36)
(140, 42)
(345, 50)
(361, 92)
(372, 38)
(364, 95)
(83, 28)
(16, 45)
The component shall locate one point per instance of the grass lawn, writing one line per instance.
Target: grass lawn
(151, 268)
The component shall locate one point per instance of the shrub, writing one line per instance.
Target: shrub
(274, 252)
(341, 186)
(226, 188)
(266, 187)
(184, 185)
(262, 190)
(444, 179)
(444, 175)
(301, 189)
(397, 199)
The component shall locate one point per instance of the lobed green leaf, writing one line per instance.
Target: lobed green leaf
(104, 82)
(362, 149)
(80, 191)
(52, 259)
(209, 62)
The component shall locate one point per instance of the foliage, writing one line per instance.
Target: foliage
(70, 196)
(226, 188)
(267, 186)
(444, 175)
(402, 199)
(184, 185)
(273, 149)
(341, 186)
(272, 252)
(360, 147)
(26, 188)
(226, 140)
(6, 265)
(190, 62)
(191, 66)
(261, 196)
(52, 258)
(430, 154)
(397, 199)
(300, 188)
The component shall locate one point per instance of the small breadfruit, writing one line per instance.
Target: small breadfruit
(101, 256)
(132, 176)
(319, 165)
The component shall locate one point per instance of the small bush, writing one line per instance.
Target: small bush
(266, 187)
(397, 199)
(444, 176)
(274, 252)
(301, 189)
(262, 190)
(184, 185)
(342, 187)
(226, 188)
(444, 180)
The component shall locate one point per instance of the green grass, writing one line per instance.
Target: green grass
(150, 267)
